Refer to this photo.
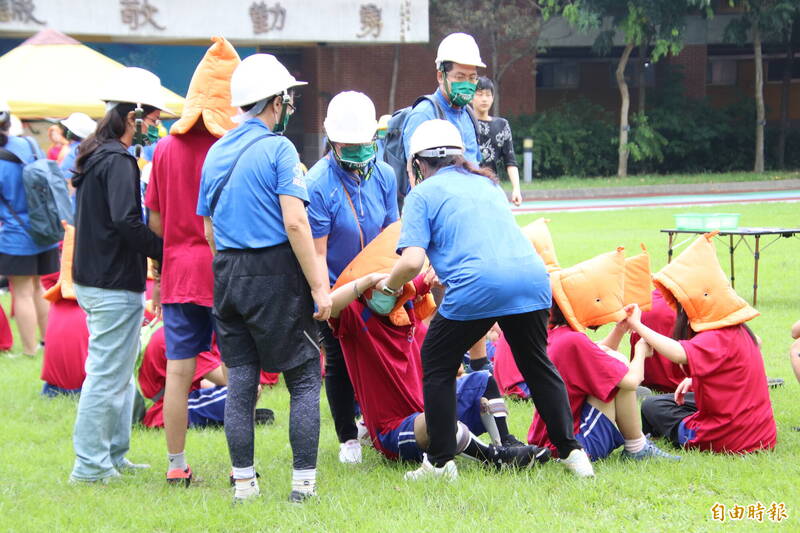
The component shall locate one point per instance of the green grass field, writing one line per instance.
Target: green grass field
(36, 448)
(572, 182)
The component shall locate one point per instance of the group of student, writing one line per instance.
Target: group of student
(258, 263)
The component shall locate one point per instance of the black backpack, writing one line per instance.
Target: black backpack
(394, 152)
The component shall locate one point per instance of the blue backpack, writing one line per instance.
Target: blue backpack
(394, 152)
(46, 196)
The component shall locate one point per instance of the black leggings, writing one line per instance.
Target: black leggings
(303, 382)
(442, 352)
(661, 416)
(338, 387)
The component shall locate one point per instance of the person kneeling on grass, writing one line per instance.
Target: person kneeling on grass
(730, 409)
(600, 383)
(382, 355)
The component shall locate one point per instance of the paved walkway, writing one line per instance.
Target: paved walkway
(671, 200)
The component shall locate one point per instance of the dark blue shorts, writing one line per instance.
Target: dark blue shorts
(187, 330)
(401, 440)
(597, 434)
(207, 406)
(52, 391)
(470, 388)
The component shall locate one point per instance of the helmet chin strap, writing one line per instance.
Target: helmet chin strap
(138, 135)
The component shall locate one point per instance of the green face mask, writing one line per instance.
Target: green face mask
(283, 121)
(382, 134)
(357, 156)
(460, 92)
(151, 137)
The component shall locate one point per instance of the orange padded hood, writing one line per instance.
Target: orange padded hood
(590, 293)
(539, 234)
(209, 93)
(696, 280)
(638, 281)
(380, 256)
(64, 288)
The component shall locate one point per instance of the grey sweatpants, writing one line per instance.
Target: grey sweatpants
(303, 382)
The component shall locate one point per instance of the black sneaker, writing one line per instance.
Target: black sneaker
(510, 441)
(520, 456)
(300, 497)
(264, 417)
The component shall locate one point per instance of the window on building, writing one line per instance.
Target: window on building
(721, 72)
(557, 75)
(632, 73)
(775, 69)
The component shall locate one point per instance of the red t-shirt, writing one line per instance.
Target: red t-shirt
(186, 275)
(384, 365)
(586, 370)
(734, 413)
(66, 345)
(659, 372)
(153, 374)
(506, 372)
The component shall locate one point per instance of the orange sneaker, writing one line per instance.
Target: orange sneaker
(176, 476)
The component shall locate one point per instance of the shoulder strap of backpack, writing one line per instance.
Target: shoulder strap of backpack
(432, 100)
(8, 155)
(218, 192)
(471, 113)
(34, 148)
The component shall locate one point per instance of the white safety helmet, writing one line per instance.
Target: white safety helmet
(80, 124)
(459, 48)
(436, 138)
(16, 128)
(135, 85)
(351, 119)
(4, 107)
(260, 76)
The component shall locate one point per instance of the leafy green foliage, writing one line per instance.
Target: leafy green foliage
(645, 142)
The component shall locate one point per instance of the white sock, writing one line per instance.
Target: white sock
(247, 472)
(304, 480)
(177, 460)
(635, 445)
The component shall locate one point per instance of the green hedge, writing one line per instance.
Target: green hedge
(679, 135)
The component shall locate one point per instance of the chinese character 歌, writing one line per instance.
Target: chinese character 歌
(137, 13)
(371, 21)
(21, 10)
(266, 19)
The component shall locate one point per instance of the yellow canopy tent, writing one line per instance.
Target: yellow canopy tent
(53, 75)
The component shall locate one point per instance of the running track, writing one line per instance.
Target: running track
(599, 204)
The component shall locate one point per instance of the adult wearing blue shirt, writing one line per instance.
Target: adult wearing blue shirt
(353, 197)
(22, 260)
(458, 215)
(267, 278)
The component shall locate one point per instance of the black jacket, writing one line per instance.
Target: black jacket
(112, 242)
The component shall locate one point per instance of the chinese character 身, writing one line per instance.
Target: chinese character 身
(137, 13)
(371, 21)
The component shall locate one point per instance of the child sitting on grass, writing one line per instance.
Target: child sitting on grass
(730, 409)
(601, 384)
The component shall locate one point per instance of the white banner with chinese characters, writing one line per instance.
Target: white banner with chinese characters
(240, 21)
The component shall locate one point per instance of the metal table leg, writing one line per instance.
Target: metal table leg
(669, 246)
(756, 256)
(733, 283)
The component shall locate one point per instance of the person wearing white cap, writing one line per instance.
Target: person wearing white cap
(22, 260)
(267, 278)
(79, 126)
(112, 245)
(353, 197)
(458, 216)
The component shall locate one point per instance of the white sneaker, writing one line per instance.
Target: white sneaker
(245, 489)
(448, 472)
(350, 452)
(579, 464)
(363, 434)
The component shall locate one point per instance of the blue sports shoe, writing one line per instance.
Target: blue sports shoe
(650, 451)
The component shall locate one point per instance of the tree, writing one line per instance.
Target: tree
(763, 20)
(659, 23)
(509, 29)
